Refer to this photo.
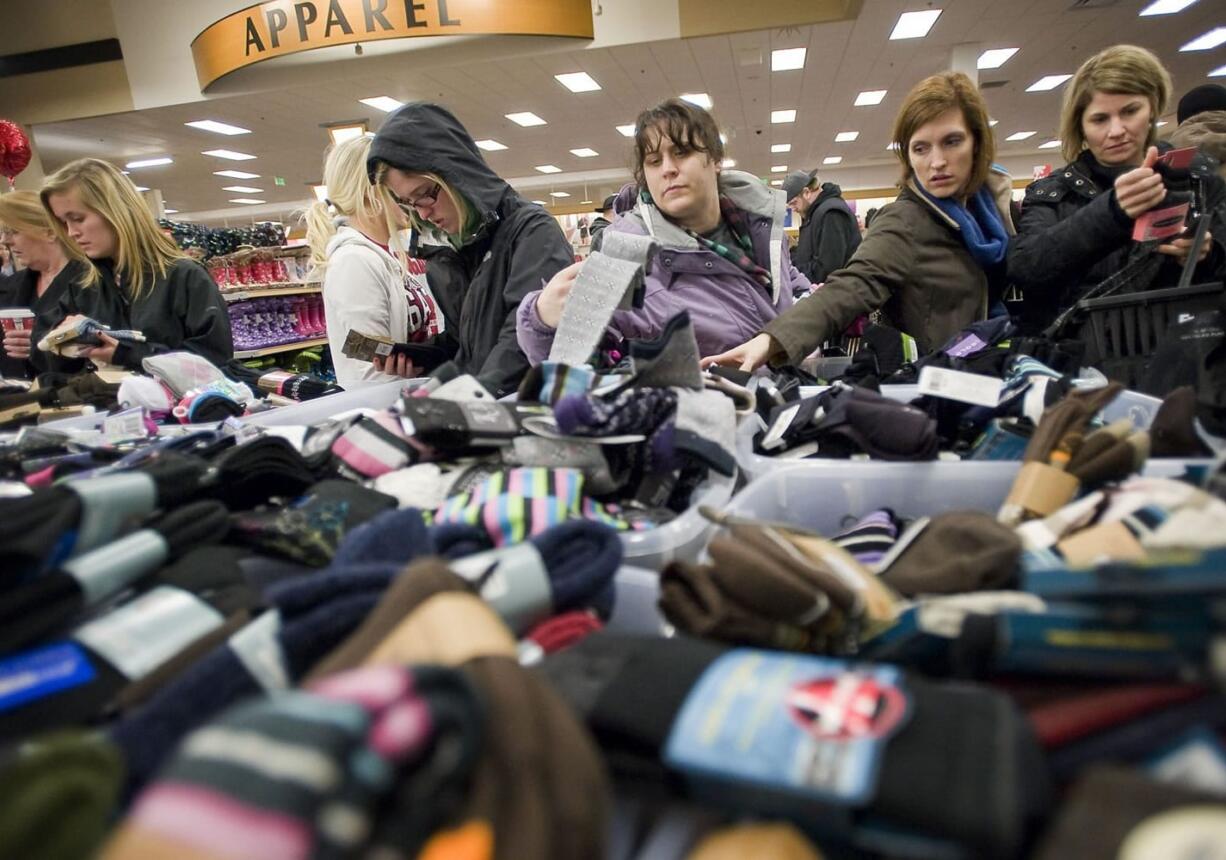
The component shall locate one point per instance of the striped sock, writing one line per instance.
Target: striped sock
(871, 538)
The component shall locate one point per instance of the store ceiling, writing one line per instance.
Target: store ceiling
(843, 59)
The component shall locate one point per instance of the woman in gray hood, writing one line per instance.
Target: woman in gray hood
(496, 246)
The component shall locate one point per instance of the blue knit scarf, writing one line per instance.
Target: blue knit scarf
(978, 217)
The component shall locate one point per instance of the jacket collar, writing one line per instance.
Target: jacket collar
(999, 183)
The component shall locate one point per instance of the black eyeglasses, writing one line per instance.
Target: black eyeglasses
(427, 199)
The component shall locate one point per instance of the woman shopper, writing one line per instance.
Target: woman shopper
(355, 241)
(724, 259)
(51, 267)
(1076, 225)
(136, 278)
(495, 245)
(934, 260)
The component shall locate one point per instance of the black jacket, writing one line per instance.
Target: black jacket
(517, 248)
(828, 237)
(183, 311)
(19, 291)
(1073, 235)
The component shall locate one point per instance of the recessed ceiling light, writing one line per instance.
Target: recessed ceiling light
(525, 118)
(1220, 71)
(728, 162)
(776, 182)
(584, 152)
(891, 147)
(779, 168)
(1047, 82)
(490, 145)
(1166, 7)
(992, 123)
(236, 174)
(585, 202)
(778, 116)
(228, 154)
(995, 58)
(787, 59)
(148, 162)
(1051, 144)
(870, 97)
(1020, 135)
(250, 201)
(1208, 41)
(170, 211)
(846, 136)
(321, 192)
(559, 194)
(781, 147)
(217, 127)
(723, 138)
(387, 104)
(341, 133)
(626, 130)
(577, 82)
(540, 202)
(832, 159)
(142, 189)
(243, 189)
(1160, 123)
(701, 99)
(915, 25)
(548, 168)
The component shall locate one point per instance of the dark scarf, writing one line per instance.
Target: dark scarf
(983, 231)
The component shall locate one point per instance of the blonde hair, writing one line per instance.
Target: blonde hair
(22, 211)
(463, 210)
(1118, 70)
(932, 97)
(351, 194)
(141, 248)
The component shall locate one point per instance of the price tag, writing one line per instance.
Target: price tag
(958, 385)
(126, 425)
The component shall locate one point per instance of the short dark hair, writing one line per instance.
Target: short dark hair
(684, 124)
(932, 97)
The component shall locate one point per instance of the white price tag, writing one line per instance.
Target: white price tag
(129, 424)
(961, 386)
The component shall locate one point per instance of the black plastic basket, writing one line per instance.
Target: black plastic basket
(1122, 332)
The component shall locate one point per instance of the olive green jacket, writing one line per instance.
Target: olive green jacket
(912, 266)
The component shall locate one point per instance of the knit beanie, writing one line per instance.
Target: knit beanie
(1206, 97)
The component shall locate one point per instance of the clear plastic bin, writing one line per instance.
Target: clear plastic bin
(683, 538)
(1140, 408)
(830, 497)
(637, 609)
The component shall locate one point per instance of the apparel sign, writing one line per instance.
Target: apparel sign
(282, 27)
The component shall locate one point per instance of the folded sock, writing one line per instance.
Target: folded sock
(352, 741)
(58, 794)
(635, 411)
(671, 360)
(870, 538)
(390, 536)
(563, 631)
(373, 446)
(265, 468)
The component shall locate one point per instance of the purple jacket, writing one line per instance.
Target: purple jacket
(726, 305)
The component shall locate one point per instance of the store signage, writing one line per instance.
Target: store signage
(283, 27)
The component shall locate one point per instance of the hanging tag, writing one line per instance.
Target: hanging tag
(958, 385)
(125, 426)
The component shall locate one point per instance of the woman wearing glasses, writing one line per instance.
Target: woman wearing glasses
(496, 247)
(367, 287)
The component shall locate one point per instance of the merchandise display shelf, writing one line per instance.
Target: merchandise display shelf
(281, 347)
(270, 291)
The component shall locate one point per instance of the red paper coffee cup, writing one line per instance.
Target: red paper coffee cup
(16, 319)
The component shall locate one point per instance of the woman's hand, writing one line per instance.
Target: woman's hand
(553, 298)
(1141, 188)
(1178, 249)
(104, 354)
(397, 364)
(748, 356)
(17, 343)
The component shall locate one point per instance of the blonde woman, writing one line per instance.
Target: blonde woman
(492, 247)
(355, 239)
(137, 278)
(1076, 225)
(51, 267)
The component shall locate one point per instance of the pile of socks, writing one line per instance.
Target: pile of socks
(259, 323)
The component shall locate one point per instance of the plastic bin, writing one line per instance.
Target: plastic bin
(829, 497)
(1123, 332)
(637, 610)
(1139, 408)
(683, 538)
